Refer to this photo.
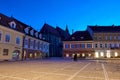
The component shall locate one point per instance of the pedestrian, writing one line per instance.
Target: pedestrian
(75, 57)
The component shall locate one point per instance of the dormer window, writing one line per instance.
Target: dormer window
(81, 37)
(36, 34)
(31, 32)
(27, 30)
(40, 36)
(13, 24)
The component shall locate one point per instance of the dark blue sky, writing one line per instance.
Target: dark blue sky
(77, 14)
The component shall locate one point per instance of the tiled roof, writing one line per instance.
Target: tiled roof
(105, 28)
(80, 36)
(47, 29)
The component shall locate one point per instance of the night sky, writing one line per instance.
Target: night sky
(77, 14)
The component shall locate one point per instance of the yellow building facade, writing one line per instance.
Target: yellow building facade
(10, 44)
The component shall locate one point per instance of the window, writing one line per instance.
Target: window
(78, 45)
(0, 36)
(72, 45)
(106, 46)
(36, 34)
(89, 46)
(7, 38)
(25, 41)
(31, 43)
(12, 25)
(115, 45)
(31, 32)
(110, 37)
(106, 37)
(5, 52)
(118, 37)
(114, 37)
(18, 40)
(100, 38)
(36, 44)
(67, 46)
(40, 36)
(96, 46)
(110, 45)
(83, 45)
(26, 30)
(100, 45)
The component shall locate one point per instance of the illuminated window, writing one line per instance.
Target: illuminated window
(101, 54)
(108, 54)
(116, 54)
(67, 55)
(96, 54)
(78, 55)
(89, 55)
(73, 55)
(83, 55)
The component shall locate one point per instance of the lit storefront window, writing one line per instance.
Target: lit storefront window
(78, 55)
(96, 55)
(67, 55)
(83, 55)
(116, 54)
(108, 54)
(101, 54)
(89, 55)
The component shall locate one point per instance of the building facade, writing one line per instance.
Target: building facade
(106, 41)
(19, 41)
(11, 39)
(54, 36)
(79, 43)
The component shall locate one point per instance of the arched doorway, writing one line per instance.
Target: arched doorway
(15, 55)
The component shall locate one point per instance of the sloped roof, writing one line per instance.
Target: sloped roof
(5, 20)
(47, 29)
(105, 28)
(80, 36)
(64, 35)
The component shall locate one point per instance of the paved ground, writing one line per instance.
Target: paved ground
(53, 69)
